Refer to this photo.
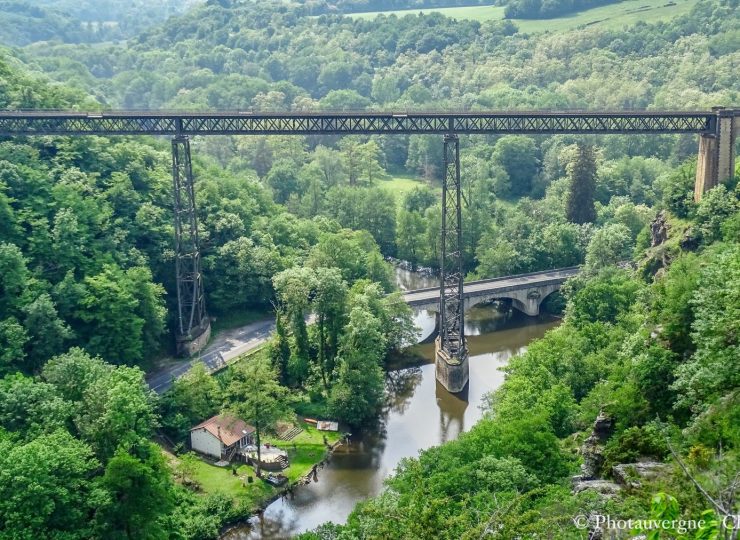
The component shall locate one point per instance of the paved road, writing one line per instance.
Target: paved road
(225, 346)
(427, 296)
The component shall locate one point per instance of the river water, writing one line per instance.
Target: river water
(419, 414)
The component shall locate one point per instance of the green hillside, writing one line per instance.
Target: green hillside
(295, 225)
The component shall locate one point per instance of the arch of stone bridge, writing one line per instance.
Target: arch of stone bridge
(527, 300)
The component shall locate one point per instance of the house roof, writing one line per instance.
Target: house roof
(228, 429)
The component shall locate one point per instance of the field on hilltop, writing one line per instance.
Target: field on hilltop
(474, 13)
(609, 16)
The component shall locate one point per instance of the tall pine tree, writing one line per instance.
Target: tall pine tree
(582, 174)
(280, 349)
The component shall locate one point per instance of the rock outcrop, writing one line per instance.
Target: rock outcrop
(592, 449)
(602, 487)
(631, 474)
(592, 452)
(659, 229)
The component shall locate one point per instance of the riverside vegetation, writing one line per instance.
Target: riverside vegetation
(297, 225)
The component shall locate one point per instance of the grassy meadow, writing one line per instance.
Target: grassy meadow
(400, 185)
(610, 16)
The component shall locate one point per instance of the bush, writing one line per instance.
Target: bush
(634, 443)
(700, 456)
(716, 206)
(718, 426)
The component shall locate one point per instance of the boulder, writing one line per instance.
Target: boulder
(631, 474)
(602, 487)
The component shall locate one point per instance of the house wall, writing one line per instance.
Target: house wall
(204, 442)
(246, 440)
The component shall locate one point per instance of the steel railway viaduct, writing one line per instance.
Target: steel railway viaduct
(717, 130)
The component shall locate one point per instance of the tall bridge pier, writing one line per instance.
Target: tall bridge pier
(716, 162)
(450, 349)
(193, 323)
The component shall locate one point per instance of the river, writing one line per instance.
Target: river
(419, 414)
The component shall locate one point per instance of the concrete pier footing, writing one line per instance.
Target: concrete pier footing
(193, 343)
(452, 372)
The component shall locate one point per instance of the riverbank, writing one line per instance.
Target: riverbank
(418, 414)
(307, 451)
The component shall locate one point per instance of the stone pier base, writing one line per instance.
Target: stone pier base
(194, 342)
(452, 373)
(716, 162)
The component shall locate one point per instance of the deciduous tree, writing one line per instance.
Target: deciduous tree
(329, 304)
(47, 332)
(518, 155)
(357, 394)
(139, 489)
(608, 246)
(45, 488)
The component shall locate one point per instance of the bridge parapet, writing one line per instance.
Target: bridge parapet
(526, 291)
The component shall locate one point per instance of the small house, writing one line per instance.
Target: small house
(221, 436)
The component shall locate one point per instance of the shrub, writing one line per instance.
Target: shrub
(634, 443)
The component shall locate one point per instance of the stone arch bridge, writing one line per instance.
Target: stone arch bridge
(526, 291)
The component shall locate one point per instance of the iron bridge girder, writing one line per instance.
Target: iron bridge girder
(14, 123)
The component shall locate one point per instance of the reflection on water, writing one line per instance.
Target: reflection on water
(452, 412)
(408, 280)
(419, 414)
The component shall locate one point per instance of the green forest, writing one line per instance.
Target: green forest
(293, 226)
(86, 21)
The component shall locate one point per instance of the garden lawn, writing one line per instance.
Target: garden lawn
(309, 450)
(214, 479)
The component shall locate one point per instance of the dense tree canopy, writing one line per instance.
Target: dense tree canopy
(509, 475)
(304, 224)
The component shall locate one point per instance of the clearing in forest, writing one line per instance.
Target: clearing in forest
(610, 16)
